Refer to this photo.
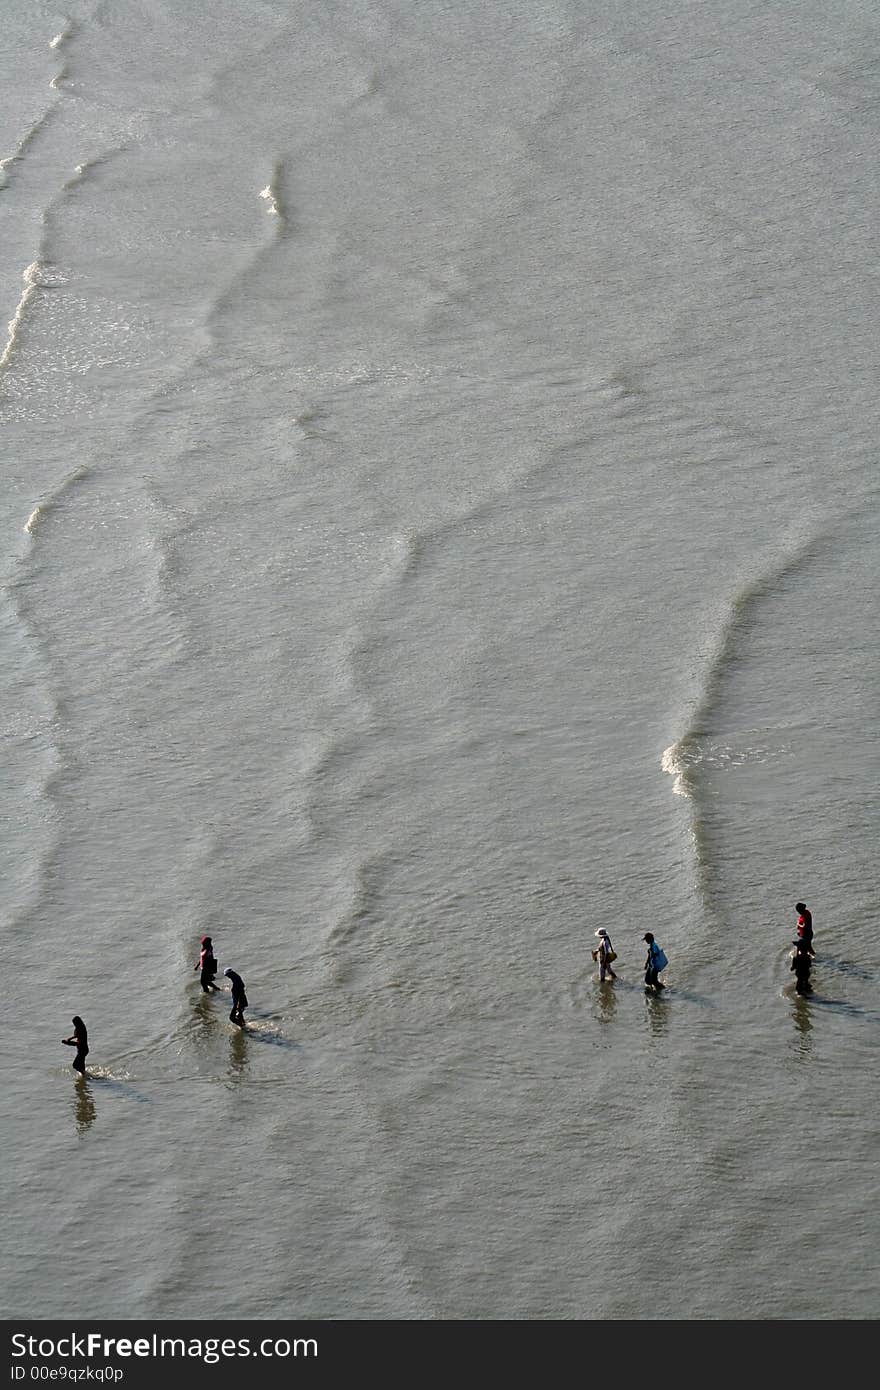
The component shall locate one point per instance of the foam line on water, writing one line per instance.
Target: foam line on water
(43, 121)
(683, 759)
(32, 278)
(63, 35)
(722, 653)
(39, 126)
(52, 499)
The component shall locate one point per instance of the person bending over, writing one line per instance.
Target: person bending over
(239, 998)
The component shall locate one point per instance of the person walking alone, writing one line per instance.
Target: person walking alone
(605, 954)
(79, 1039)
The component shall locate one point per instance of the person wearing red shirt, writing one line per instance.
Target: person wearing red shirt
(805, 926)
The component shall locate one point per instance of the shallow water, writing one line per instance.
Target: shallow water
(440, 519)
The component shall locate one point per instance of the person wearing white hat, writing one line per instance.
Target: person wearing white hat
(239, 998)
(605, 954)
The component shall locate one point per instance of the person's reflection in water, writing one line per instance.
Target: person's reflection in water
(801, 1014)
(657, 1011)
(84, 1105)
(606, 1002)
(204, 1012)
(238, 1055)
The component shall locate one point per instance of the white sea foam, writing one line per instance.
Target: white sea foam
(273, 195)
(669, 762)
(32, 278)
(60, 37)
(43, 507)
(39, 125)
(798, 546)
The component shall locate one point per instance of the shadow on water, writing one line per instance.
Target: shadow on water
(84, 1111)
(687, 996)
(822, 1001)
(845, 967)
(262, 1031)
(116, 1086)
(843, 1006)
(239, 1046)
(804, 1007)
(101, 1080)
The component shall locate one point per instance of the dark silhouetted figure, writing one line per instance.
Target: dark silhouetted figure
(79, 1039)
(207, 964)
(239, 998)
(801, 964)
(805, 926)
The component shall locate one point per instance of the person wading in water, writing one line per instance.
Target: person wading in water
(207, 964)
(801, 963)
(239, 998)
(805, 926)
(604, 954)
(79, 1039)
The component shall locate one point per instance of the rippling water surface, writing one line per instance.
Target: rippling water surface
(440, 508)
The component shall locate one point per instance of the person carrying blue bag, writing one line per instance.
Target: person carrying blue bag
(654, 963)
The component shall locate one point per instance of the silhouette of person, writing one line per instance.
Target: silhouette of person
(805, 926)
(239, 998)
(79, 1039)
(207, 964)
(801, 964)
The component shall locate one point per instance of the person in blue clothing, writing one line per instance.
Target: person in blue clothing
(654, 963)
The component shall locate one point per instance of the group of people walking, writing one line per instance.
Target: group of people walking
(655, 961)
(207, 966)
(802, 956)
